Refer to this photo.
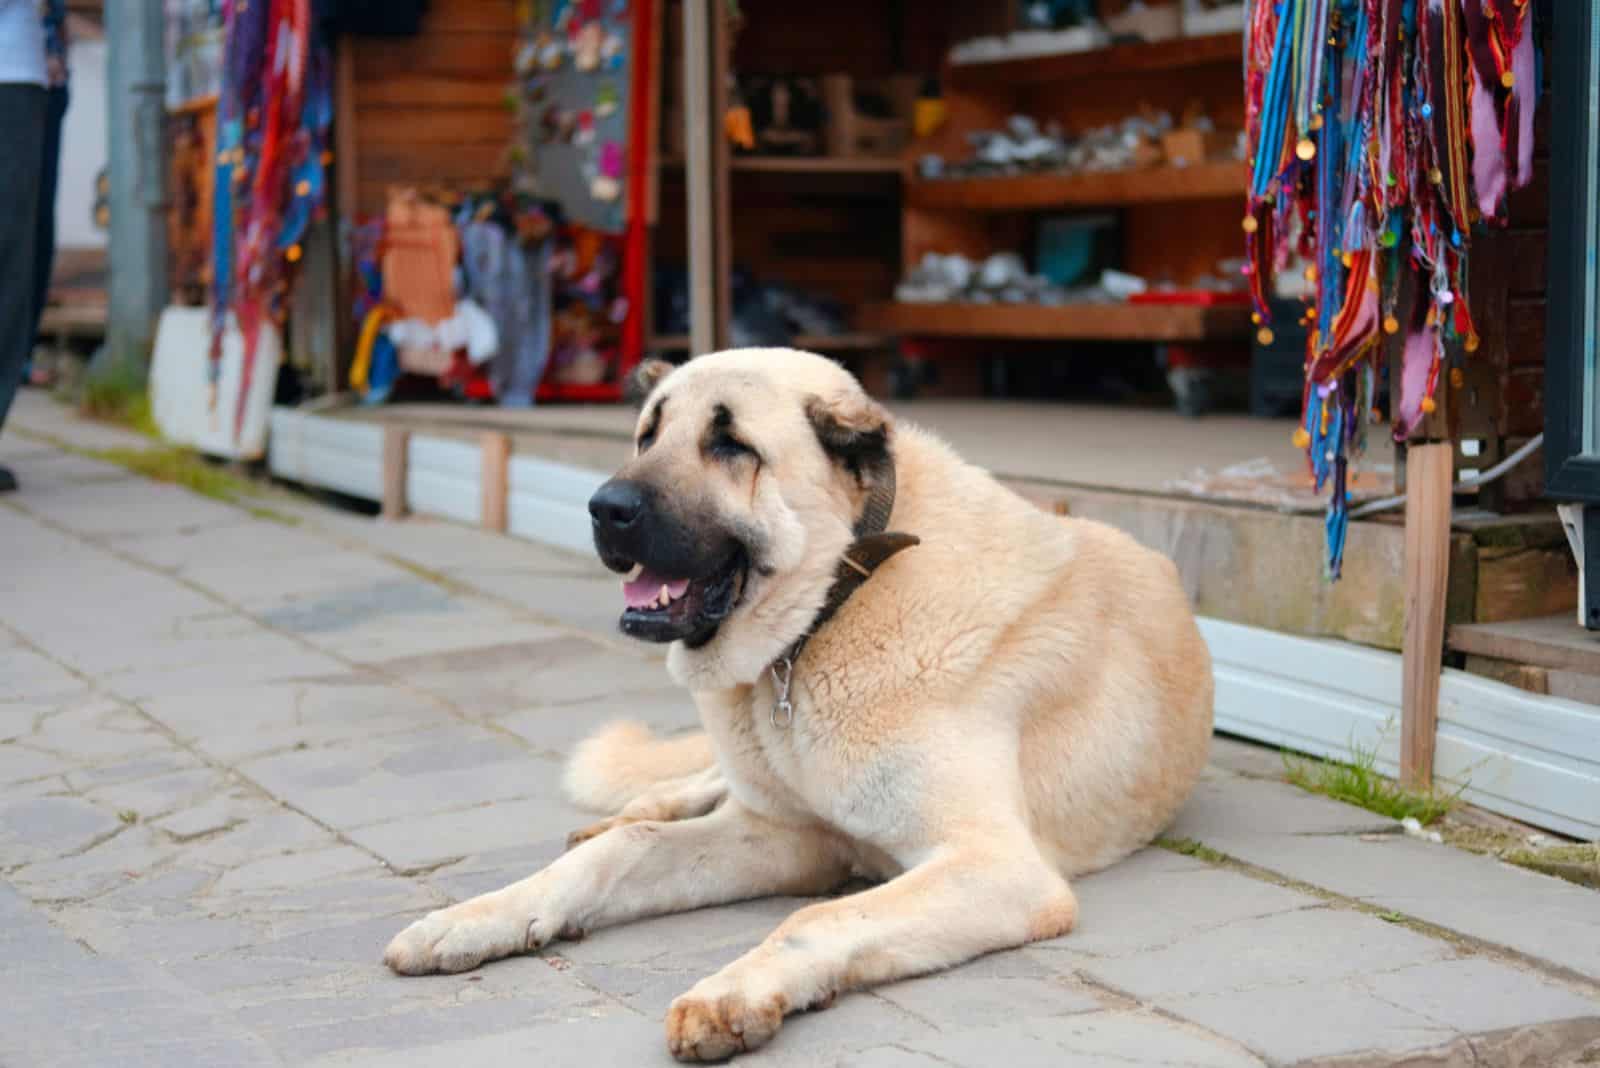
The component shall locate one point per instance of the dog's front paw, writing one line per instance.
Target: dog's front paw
(461, 937)
(713, 1026)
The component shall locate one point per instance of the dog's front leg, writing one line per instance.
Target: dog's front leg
(638, 870)
(962, 903)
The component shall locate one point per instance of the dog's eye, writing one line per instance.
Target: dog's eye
(728, 447)
(647, 439)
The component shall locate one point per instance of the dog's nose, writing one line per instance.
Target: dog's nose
(617, 505)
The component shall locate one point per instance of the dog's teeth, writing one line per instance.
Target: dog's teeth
(666, 596)
(638, 569)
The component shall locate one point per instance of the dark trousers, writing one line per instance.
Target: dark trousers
(22, 123)
(44, 249)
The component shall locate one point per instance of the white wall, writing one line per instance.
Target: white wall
(83, 147)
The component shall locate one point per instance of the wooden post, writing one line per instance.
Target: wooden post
(705, 93)
(347, 194)
(495, 479)
(1429, 474)
(396, 444)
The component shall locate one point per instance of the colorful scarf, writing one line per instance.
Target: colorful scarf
(1380, 131)
(274, 114)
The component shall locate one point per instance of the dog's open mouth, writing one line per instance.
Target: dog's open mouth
(661, 608)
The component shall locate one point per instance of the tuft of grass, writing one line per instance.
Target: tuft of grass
(1358, 782)
(183, 467)
(128, 816)
(1393, 917)
(273, 515)
(120, 401)
(1190, 848)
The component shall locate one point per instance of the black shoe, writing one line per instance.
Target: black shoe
(8, 481)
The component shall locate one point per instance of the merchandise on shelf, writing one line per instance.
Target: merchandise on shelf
(1024, 146)
(764, 312)
(492, 295)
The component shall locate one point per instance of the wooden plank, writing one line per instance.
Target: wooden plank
(1102, 322)
(705, 96)
(1524, 402)
(455, 16)
(1524, 330)
(1556, 642)
(494, 479)
(347, 157)
(720, 17)
(429, 91)
(1215, 50)
(434, 125)
(808, 164)
(1522, 676)
(477, 163)
(810, 342)
(820, 164)
(1525, 583)
(396, 447)
(1427, 533)
(450, 55)
(1029, 192)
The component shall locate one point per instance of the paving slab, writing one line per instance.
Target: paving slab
(1529, 913)
(238, 756)
(1084, 1040)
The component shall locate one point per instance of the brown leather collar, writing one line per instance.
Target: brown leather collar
(873, 547)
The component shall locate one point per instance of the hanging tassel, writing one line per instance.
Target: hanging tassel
(1359, 116)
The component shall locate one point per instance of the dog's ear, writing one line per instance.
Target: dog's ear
(643, 380)
(854, 430)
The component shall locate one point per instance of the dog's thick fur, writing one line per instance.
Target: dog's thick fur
(1020, 699)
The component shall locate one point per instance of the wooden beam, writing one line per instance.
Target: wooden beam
(706, 161)
(495, 479)
(345, 154)
(1429, 471)
(396, 446)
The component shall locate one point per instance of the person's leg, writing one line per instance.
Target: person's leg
(44, 252)
(22, 115)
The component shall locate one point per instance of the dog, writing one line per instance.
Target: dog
(905, 673)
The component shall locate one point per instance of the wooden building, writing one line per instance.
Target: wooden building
(1500, 673)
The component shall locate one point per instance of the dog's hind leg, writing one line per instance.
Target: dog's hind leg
(966, 901)
(679, 799)
(643, 869)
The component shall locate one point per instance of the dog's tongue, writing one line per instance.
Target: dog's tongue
(644, 589)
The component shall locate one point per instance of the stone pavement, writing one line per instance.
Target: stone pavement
(237, 754)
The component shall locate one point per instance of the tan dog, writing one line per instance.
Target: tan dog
(1017, 700)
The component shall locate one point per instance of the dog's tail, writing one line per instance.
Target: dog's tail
(622, 760)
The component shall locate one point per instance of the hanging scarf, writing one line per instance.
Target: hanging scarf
(274, 113)
(1379, 132)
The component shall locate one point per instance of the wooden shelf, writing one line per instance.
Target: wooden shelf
(890, 165)
(1026, 192)
(1101, 63)
(814, 342)
(1087, 322)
